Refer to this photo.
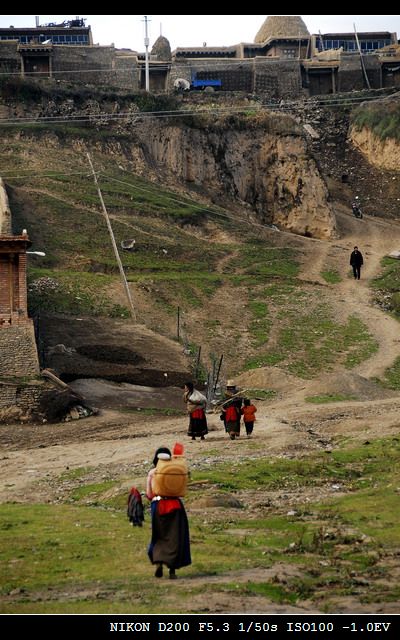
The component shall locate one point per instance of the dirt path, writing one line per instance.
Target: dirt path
(375, 239)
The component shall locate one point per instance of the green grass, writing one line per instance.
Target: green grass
(332, 276)
(391, 379)
(312, 342)
(154, 411)
(73, 558)
(329, 397)
(260, 394)
(77, 293)
(383, 118)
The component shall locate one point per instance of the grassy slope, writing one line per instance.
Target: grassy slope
(383, 118)
(180, 247)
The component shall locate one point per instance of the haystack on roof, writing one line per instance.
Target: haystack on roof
(162, 49)
(282, 27)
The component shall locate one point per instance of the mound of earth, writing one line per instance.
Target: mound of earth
(112, 349)
(349, 384)
(112, 395)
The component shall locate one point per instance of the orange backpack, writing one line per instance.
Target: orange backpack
(171, 477)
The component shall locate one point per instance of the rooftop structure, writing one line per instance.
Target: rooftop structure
(69, 32)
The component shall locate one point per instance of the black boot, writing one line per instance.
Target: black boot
(159, 571)
(172, 574)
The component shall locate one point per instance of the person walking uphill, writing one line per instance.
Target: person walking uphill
(356, 261)
(170, 543)
(195, 404)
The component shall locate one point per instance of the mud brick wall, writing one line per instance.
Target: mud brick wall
(277, 78)
(18, 352)
(374, 73)
(350, 75)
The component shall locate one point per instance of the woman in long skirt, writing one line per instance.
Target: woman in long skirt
(170, 543)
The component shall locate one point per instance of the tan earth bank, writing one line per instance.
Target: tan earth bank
(34, 456)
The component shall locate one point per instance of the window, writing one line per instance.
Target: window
(289, 53)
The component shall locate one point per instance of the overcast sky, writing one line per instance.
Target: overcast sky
(185, 31)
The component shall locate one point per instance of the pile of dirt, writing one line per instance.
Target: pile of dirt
(111, 395)
(113, 349)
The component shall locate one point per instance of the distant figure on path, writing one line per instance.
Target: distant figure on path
(356, 261)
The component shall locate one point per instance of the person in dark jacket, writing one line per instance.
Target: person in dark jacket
(356, 261)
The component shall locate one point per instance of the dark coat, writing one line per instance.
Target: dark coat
(135, 511)
(356, 259)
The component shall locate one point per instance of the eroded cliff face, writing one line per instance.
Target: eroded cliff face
(384, 154)
(260, 163)
(250, 163)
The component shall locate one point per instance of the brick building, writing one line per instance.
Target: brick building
(20, 387)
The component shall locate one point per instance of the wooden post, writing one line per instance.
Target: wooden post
(218, 371)
(121, 268)
(196, 371)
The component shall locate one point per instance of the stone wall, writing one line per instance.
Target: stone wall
(9, 58)
(94, 65)
(18, 352)
(351, 76)
(277, 78)
(23, 396)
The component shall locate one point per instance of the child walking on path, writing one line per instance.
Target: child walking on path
(248, 412)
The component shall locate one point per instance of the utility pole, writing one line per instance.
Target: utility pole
(146, 45)
(121, 268)
(361, 58)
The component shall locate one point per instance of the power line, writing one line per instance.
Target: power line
(204, 208)
(43, 175)
(222, 110)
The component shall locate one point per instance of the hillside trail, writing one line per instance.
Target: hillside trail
(375, 239)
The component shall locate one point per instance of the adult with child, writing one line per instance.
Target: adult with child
(231, 409)
(170, 543)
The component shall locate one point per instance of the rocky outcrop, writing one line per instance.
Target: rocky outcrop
(259, 162)
(384, 154)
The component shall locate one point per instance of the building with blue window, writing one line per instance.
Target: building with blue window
(69, 32)
(370, 42)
